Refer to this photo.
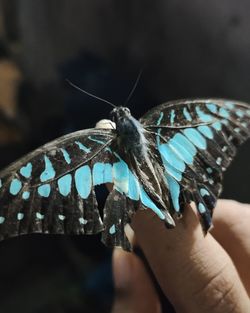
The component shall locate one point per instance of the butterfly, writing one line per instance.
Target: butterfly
(176, 153)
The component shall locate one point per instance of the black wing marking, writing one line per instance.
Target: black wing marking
(51, 190)
(197, 140)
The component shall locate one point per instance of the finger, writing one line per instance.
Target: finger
(232, 231)
(194, 272)
(134, 291)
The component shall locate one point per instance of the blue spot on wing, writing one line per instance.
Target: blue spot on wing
(187, 114)
(172, 117)
(133, 187)
(172, 171)
(230, 105)
(209, 170)
(203, 116)
(217, 126)
(20, 216)
(112, 230)
(204, 192)
(206, 131)
(82, 221)
(201, 208)
(108, 174)
(96, 140)
(61, 217)
(98, 173)
(212, 107)
(49, 171)
(159, 119)
(83, 181)
(174, 189)
(171, 158)
(120, 174)
(26, 195)
(102, 173)
(15, 186)
(196, 138)
(181, 140)
(82, 147)
(44, 190)
(66, 156)
(181, 151)
(64, 184)
(26, 170)
(39, 216)
(239, 113)
(150, 204)
(224, 113)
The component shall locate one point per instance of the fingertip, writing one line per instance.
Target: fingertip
(122, 269)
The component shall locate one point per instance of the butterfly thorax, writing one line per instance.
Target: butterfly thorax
(130, 133)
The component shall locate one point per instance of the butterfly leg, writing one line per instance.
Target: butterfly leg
(117, 213)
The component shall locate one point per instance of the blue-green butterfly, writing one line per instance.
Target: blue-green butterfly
(176, 153)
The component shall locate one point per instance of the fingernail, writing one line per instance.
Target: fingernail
(122, 269)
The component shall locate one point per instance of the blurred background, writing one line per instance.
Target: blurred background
(187, 49)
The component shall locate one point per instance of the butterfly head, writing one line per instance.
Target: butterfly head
(119, 113)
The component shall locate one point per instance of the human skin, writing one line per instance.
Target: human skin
(196, 273)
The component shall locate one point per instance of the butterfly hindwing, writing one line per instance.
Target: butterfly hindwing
(116, 216)
(197, 140)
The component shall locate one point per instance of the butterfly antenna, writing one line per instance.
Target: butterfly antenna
(134, 87)
(90, 94)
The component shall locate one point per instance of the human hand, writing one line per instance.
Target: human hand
(196, 273)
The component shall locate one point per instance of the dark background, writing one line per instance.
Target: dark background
(187, 49)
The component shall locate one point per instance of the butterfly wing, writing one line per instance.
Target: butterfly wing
(196, 140)
(51, 190)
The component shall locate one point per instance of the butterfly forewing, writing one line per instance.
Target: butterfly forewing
(51, 190)
(197, 140)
